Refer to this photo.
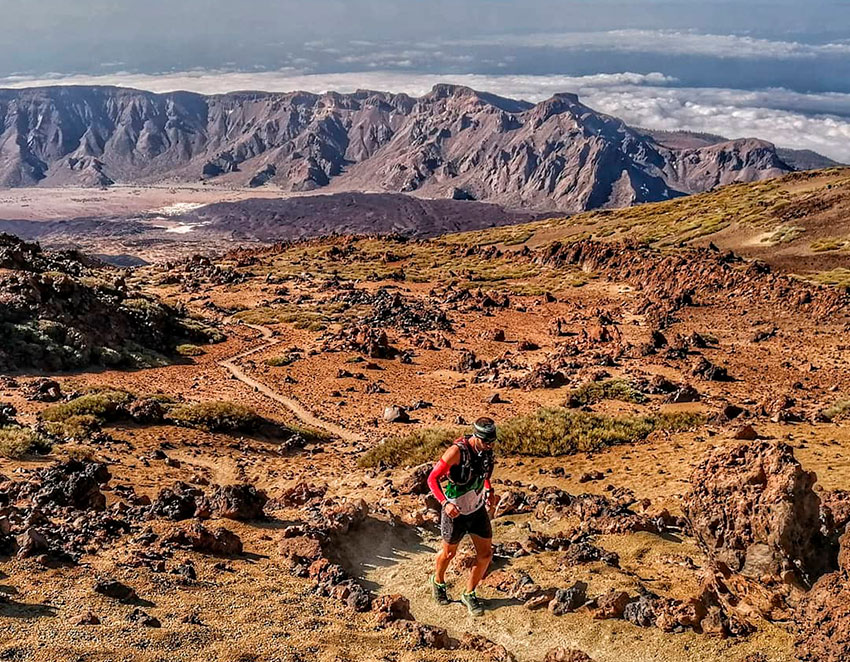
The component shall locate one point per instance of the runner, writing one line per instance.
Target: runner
(467, 501)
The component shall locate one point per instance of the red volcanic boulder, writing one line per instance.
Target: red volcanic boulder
(392, 608)
(240, 502)
(824, 615)
(197, 537)
(753, 509)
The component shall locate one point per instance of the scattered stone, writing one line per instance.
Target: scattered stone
(746, 433)
(396, 414)
(392, 608)
(240, 502)
(566, 655)
(567, 600)
(180, 502)
(196, 536)
(611, 605)
(416, 481)
(590, 476)
(42, 390)
(641, 612)
(112, 588)
(86, 618)
(143, 618)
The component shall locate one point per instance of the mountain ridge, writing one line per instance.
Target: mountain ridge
(451, 142)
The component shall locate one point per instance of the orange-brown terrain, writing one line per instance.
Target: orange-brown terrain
(244, 480)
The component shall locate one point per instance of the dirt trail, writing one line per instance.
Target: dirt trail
(391, 559)
(294, 406)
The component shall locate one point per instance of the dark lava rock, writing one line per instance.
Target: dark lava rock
(239, 502)
(75, 484)
(112, 588)
(196, 536)
(180, 502)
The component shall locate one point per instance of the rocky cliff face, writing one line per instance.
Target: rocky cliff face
(65, 311)
(452, 142)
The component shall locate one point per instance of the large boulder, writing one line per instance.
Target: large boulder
(754, 511)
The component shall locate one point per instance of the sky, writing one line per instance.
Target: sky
(778, 70)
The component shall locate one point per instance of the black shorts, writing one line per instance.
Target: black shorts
(476, 524)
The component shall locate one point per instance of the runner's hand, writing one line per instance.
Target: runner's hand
(492, 501)
(452, 510)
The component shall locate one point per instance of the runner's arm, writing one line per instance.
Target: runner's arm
(440, 470)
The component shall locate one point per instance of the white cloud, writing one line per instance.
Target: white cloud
(665, 42)
(790, 119)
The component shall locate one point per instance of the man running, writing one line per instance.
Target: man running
(466, 468)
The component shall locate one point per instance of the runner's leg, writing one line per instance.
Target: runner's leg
(444, 557)
(483, 557)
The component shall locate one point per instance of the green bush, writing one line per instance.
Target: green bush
(610, 389)
(102, 405)
(548, 432)
(75, 427)
(216, 416)
(418, 447)
(283, 360)
(17, 442)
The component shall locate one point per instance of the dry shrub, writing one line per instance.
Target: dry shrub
(548, 432)
(17, 442)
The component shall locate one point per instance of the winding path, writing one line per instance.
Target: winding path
(294, 406)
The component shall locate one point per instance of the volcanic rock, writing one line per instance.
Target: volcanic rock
(43, 390)
(752, 508)
(112, 588)
(611, 605)
(196, 536)
(824, 615)
(416, 482)
(75, 484)
(566, 655)
(180, 502)
(392, 608)
(239, 502)
(396, 414)
(567, 600)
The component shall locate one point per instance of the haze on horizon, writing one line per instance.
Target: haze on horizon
(775, 70)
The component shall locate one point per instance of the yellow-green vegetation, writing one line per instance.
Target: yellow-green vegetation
(216, 416)
(190, 350)
(840, 409)
(556, 431)
(839, 277)
(440, 260)
(75, 427)
(311, 318)
(231, 417)
(101, 405)
(417, 447)
(784, 234)
(829, 244)
(548, 432)
(17, 442)
(775, 204)
(283, 360)
(609, 389)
